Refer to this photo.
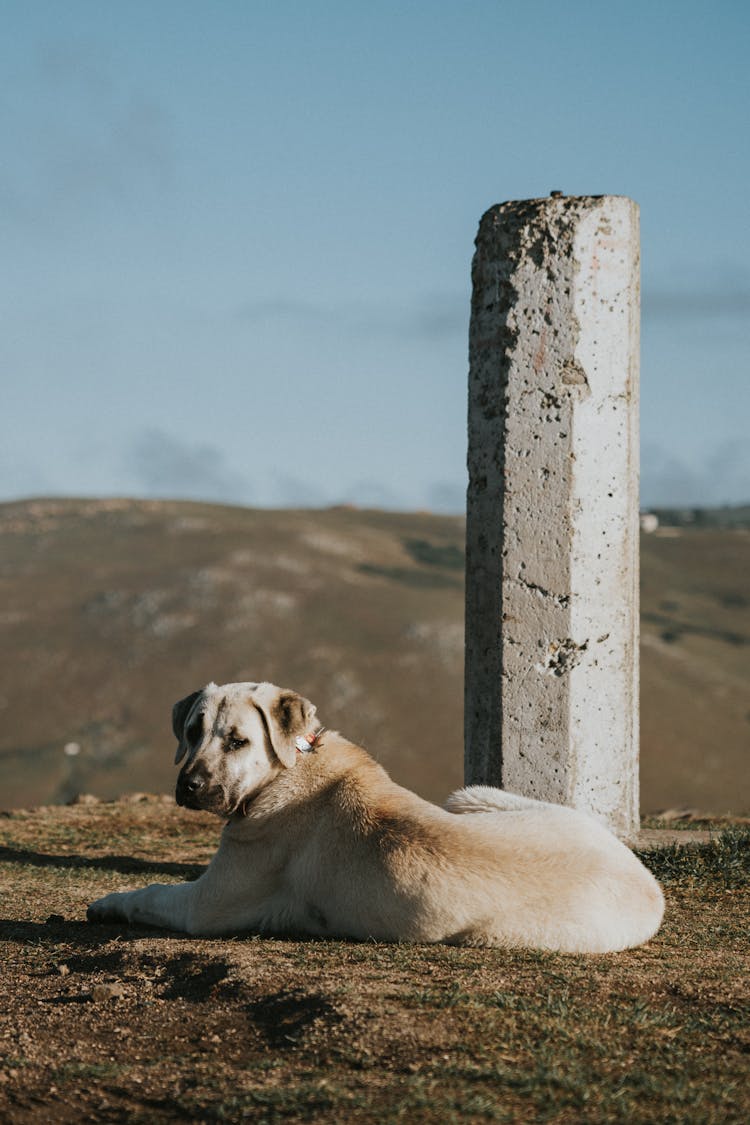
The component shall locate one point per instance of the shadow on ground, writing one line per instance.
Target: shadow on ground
(124, 864)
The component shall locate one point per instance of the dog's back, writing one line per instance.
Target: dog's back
(365, 858)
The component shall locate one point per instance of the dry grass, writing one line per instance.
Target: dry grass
(103, 1023)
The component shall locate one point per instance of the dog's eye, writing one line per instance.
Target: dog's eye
(235, 743)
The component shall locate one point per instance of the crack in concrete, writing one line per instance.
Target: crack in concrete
(562, 600)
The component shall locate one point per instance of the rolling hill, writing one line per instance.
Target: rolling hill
(110, 610)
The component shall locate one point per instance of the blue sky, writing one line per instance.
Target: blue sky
(236, 237)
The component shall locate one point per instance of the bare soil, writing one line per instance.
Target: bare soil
(115, 1024)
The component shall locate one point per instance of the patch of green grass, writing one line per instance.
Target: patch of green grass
(684, 824)
(73, 1071)
(726, 859)
(299, 1101)
(14, 1062)
(408, 576)
(446, 555)
(441, 997)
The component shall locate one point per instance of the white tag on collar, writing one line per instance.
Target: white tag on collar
(302, 744)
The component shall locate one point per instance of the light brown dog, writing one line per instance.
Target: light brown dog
(320, 841)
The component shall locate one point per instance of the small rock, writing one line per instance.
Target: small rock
(103, 992)
(668, 815)
(63, 970)
(54, 920)
(84, 799)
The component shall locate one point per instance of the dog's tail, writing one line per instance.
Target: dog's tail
(483, 798)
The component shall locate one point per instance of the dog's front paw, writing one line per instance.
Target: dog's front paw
(111, 908)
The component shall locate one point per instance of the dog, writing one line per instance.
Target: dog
(320, 842)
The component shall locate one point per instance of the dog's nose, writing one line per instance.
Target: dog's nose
(189, 788)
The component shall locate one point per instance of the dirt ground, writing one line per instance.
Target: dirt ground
(116, 1024)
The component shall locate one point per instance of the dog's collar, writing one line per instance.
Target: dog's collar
(305, 743)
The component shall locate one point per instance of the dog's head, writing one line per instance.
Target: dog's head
(237, 738)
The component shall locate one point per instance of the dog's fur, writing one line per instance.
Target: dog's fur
(323, 843)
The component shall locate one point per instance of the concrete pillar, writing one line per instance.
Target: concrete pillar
(552, 506)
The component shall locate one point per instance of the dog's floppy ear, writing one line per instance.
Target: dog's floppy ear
(287, 716)
(180, 712)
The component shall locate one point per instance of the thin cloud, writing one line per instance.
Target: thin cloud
(720, 290)
(64, 64)
(165, 466)
(93, 139)
(440, 318)
(447, 497)
(293, 492)
(444, 317)
(665, 305)
(23, 478)
(428, 319)
(268, 309)
(723, 477)
(372, 494)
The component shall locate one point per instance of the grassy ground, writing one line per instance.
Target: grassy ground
(103, 1023)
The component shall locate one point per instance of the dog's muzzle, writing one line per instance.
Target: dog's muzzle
(191, 790)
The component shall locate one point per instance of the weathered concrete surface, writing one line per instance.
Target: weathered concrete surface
(552, 507)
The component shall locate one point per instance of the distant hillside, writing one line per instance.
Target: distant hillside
(112, 610)
(728, 516)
